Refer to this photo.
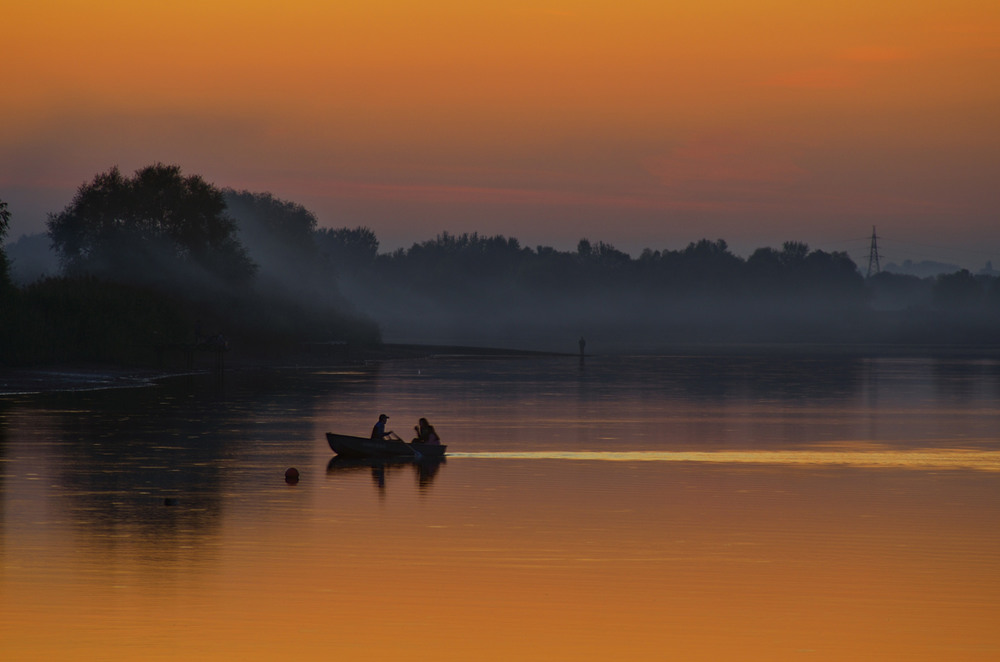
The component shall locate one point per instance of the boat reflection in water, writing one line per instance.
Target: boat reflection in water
(425, 469)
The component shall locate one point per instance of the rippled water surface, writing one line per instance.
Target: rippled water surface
(643, 508)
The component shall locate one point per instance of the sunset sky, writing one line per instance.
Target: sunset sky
(639, 123)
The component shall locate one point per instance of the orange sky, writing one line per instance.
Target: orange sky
(638, 123)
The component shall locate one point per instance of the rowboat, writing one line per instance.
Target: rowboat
(348, 446)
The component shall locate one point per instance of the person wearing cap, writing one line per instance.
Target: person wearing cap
(378, 432)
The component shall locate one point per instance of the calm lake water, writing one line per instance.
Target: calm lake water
(631, 508)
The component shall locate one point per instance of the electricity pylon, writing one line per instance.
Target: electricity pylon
(873, 265)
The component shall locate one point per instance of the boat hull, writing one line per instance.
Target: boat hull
(348, 446)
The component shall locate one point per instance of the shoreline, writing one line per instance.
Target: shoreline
(35, 381)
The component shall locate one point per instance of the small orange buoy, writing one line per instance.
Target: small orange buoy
(291, 476)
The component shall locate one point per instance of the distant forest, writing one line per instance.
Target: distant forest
(472, 288)
(159, 260)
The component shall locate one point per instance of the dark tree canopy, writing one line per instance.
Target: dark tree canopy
(4, 220)
(958, 290)
(157, 226)
(347, 249)
(266, 221)
(4, 227)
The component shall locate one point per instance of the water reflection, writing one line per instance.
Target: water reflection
(154, 469)
(425, 470)
(704, 507)
(967, 380)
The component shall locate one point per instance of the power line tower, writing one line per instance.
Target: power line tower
(873, 256)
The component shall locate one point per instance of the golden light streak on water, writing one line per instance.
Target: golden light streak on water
(940, 459)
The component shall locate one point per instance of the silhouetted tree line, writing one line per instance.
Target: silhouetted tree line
(157, 228)
(148, 259)
(461, 283)
(470, 265)
(492, 288)
(4, 263)
(158, 261)
(961, 292)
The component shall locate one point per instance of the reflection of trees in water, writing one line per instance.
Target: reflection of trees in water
(142, 467)
(780, 378)
(150, 467)
(967, 380)
(792, 378)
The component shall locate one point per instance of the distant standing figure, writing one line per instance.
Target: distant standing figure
(583, 345)
(426, 433)
(378, 432)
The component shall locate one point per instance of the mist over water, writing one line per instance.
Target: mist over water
(477, 290)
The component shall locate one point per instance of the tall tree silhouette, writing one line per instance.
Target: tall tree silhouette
(347, 250)
(4, 227)
(155, 227)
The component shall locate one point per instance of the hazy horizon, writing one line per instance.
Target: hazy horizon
(641, 125)
(892, 250)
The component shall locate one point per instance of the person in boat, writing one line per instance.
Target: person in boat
(426, 433)
(378, 432)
